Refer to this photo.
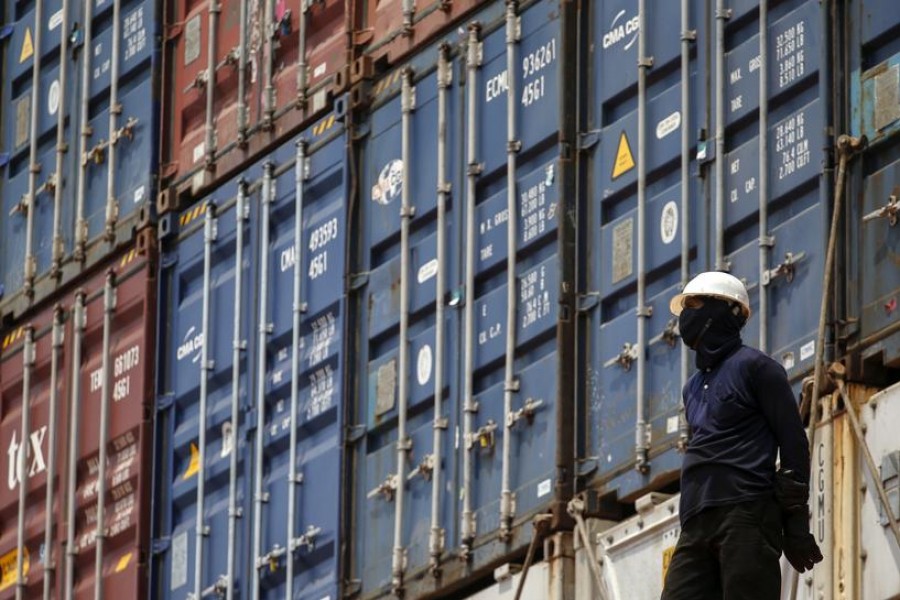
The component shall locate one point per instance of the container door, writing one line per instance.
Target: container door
(203, 458)
(29, 173)
(777, 248)
(874, 286)
(31, 362)
(302, 433)
(403, 463)
(641, 233)
(120, 157)
(114, 433)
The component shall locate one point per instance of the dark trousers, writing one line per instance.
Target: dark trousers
(728, 553)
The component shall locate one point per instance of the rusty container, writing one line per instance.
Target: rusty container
(389, 31)
(75, 393)
(276, 66)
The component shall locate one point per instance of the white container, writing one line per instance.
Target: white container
(633, 554)
(880, 569)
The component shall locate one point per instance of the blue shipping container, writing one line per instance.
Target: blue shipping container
(873, 282)
(249, 424)
(457, 401)
(75, 175)
(716, 149)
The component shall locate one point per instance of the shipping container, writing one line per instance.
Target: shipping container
(242, 76)
(632, 556)
(677, 124)
(873, 283)
(848, 519)
(251, 368)
(388, 32)
(878, 550)
(462, 401)
(553, 578)
(75, 387)
(79, 139)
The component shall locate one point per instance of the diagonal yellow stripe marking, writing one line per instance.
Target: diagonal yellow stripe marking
(123, 563)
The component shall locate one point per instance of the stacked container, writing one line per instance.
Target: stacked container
(413, 278)
(463, 340)
(78, 277)
(76, 381)
(78, 178)
(251, 366)
(243, 76)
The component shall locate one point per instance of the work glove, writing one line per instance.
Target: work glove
(800, 546)
(791, 492)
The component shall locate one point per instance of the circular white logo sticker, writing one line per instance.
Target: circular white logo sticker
(53, 97)
(424, 365)
(390, 183)
(668, 222)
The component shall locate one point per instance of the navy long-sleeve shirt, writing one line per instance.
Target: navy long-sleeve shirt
(741, 412)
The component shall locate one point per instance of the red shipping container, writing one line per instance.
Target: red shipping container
(211, 126)
(389, 30)
(102, 333)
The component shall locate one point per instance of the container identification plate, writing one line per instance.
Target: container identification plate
(179, 561)
(622, 250)
(384, 387)
(192, 40)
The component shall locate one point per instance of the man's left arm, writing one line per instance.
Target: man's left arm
(776, 400)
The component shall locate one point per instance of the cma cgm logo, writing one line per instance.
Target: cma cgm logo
(620, 30)
(190, 344)
(36, 442)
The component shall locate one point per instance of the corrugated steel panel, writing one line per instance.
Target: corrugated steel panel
(73, 191)
(633, 409)
(878, 573)
(83, 369)
(245, 510)
(277, 66)
(390, 31)
(611, 384)
(874, 286)
(403, 535)
(633, 554)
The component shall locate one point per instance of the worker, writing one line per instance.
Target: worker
(738, 513)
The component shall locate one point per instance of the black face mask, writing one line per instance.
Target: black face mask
(713, 330)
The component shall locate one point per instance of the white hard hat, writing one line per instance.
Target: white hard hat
(715, 284)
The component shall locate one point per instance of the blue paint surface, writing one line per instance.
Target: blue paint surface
(797, 220)
(537, 281)
(134, 179)
(317, 480)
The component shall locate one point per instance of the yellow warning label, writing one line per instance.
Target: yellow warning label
(123, 563)
(27, 47)
(8, 576)
(667, 560)
(194, 465)
(624, 158)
